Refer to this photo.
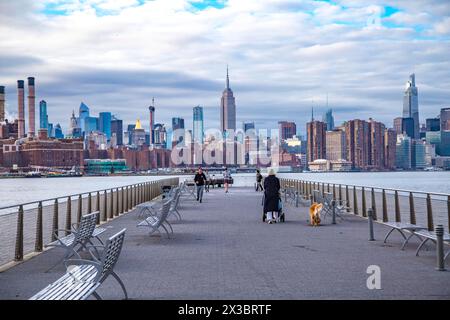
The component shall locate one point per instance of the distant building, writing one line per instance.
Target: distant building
(97, 140)
(376, 144)
(90, 125)
(434, 138)
(227, 109)
(58, 132)
(51, 130)
(403, 158)
(329, 119)
(408, 127)
(43, 116)
(433, 124)
(411, 104)
(398, 125)
(445, 132)
(117, 130)
(129, 134)
(390, 142)
(104, 166)
(336, 145)
(358, 145)
(316, 140)
(104, 123)
(248, 126)
(286, 130)
(64, 153)
(138, 134)
(83, 113)
(418, 154)
(198, 129)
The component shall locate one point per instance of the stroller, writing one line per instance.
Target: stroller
(280, 210)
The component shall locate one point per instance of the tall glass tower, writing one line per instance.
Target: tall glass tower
(104, 123)
(329, 119)
(43, 116)
(198, 125)
(411, 104)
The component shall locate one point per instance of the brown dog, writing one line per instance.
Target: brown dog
(314, 213)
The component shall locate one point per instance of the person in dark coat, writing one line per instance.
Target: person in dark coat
(259, 179)
(271, 197)
(200, 179)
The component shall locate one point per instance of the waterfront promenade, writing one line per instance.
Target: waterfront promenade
(222, 250)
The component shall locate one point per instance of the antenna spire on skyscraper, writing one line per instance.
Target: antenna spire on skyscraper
(228, 79)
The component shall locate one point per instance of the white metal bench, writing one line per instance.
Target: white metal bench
(430, 236)
(401, 227)
(83, 277)
(80, 235)
(159, 220)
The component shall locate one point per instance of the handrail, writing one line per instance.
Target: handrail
(374, 187)
(80, 193)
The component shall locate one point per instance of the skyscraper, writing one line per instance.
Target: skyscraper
(2, 103)
(43, 116)
(104, 123)
(117, 130)
(411, 104)
(198, 132)
(83, 113)
(390, 141)
(398, 125)
(403, 152)
(336, 145)
(376, 144)
(316, 140)
(248, 126)
(329, 119)
(408, 127)
(74, 128)
(178, 131)
(445, 132)
(286, 130)
(58, 132)
(433, 124)
(357, 139)
(227, 109)
(90, 125)
(151, 109)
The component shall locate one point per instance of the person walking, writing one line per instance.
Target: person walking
(199, 180)
(259, 178)
(226, 179)
(271, 197)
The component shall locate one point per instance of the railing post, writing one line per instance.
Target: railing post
(19, 236)
(80, 208)
(130, 198)
(111, 203)
(39, 241)
(55, 224)
(97, 206)
(364, 212)
(398, 217)
(105, 206)
(370, 220)
(448, 212)
(68, 215)
(385, 214)
(340, 192)
(347, 198)
(429, 214)
(124, 199)
(374, 205)
(89, 208)
(355, 201)
(116, 212)
(440, 261)
(412, 210)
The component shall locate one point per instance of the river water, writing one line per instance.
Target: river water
(14, 191)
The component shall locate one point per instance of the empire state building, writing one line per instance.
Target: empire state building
(227, 109)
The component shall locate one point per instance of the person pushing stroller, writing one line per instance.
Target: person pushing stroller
(272, 197)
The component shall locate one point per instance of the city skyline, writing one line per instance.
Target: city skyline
(363, 70)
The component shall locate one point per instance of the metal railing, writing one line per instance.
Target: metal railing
(25, 228)
(416, 207)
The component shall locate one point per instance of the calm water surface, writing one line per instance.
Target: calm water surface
(14, 191)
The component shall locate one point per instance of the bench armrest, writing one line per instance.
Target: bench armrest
(80, 262)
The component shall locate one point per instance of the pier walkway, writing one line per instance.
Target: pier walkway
(222, 250)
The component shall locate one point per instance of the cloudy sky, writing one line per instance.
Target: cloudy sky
(284, 57)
